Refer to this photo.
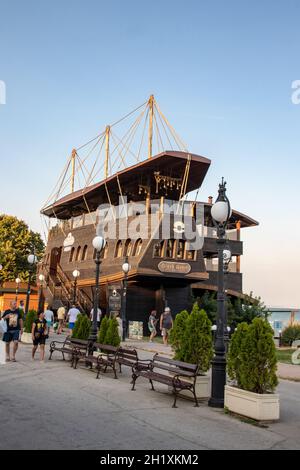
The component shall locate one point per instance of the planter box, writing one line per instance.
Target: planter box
(26, 338)
(261, 407)
(202, 388)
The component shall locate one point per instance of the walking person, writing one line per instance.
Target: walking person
(61, 316)
(49, 317)
(166, 324)
(14, 321)
(152, 325)
(72, 317)
(39, 333)
(99, 313)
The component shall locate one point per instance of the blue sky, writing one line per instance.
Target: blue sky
(221, 72)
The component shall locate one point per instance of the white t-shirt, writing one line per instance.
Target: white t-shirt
(99, 313)
(73, 314)
(48, 315)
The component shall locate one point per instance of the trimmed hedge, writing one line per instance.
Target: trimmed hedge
(252, 361)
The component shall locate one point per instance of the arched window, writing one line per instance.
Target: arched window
(78, 253)
(158, 249)
(137, 247)
(128, 248)
(84, 253)
(191, 255)
(104, 252)
(72, 252)
(119, 249)
(180, 249)
(170, 248)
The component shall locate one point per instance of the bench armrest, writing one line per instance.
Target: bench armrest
(53, 343)
(142, 364)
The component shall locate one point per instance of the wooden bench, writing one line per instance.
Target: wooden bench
(74, 347)
(107, 358)
(179, 375)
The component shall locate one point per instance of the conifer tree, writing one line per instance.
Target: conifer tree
(256, 366)
(82, 327)
(112, 335)
(177, 334)
(103, 330)
(234, 353)
(197, 344)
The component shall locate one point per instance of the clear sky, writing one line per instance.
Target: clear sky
(221, 71)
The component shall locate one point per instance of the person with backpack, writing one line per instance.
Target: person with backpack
(166, 324)
(152, 325)
(39, 333)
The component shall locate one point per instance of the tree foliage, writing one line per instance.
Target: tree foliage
(192, 339)
(238, 310)
(252, 357)
(103, 330)
(82, 327)
(290, 333)
(234, 355)
(30, 317)
(112, 335)
(16, 243)
(177, 334)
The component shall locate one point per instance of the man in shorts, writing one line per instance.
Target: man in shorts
(166, 324)
(72, 317)
(39, 334)
(14, 321)
(61, 316)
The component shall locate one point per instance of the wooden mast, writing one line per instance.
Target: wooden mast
(73, 170)
(150, 132)
(107, 133)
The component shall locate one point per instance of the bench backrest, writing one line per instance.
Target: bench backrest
(79, 343)
(127, 354)
(107, 348)
(171, 365)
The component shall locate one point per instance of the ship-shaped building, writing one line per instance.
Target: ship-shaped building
(148, 209)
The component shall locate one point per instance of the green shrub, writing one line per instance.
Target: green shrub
(82, 327)
(196, 345)
(234, 354)
(103, 330)
(252, 357)
(30, 317)
(112, 335)
(177, 334)
(290, 333)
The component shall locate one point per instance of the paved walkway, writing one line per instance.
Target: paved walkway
(51, 406)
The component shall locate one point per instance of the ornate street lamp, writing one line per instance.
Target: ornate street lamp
(41, 279)
(76, 274)
(18, 280)
(99, 244)
(32, 259)
(125, 268)
(221, 213)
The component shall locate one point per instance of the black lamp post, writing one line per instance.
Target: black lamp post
(126, 268)
(32, 259)
(41, 279)
(221, 213)
(99, 244)
(18, 280)
(76, 274)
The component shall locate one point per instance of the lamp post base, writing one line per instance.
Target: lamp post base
(218, 382)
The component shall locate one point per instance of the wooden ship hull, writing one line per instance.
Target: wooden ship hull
(164, 270)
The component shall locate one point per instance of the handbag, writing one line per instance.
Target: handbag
(3, 325)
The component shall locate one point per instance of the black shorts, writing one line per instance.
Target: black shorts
(37, 341)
